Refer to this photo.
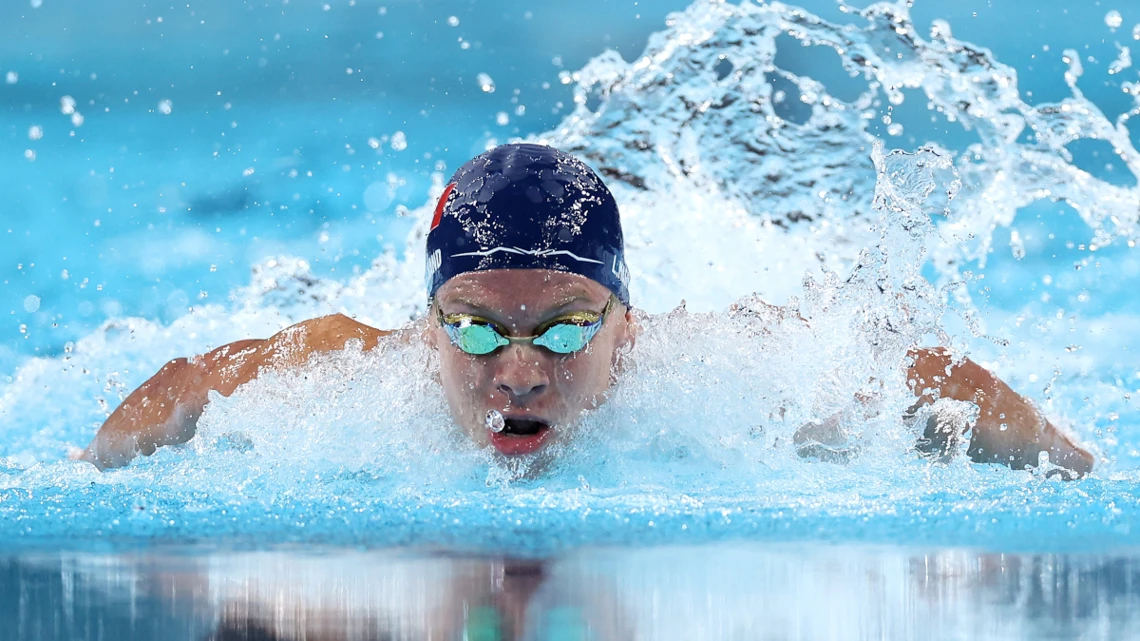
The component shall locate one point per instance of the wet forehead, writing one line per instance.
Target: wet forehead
(520, 295)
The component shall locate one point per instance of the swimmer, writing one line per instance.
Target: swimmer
(530, 314)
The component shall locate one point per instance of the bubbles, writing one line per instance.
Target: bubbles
(502, 119)
(399, 141)
(165, 107)
(1113, 19)
(35, 132)
(32, 304)
(1123, 61)
(453, 21)
(11, 78)
(485, 83)
(67, 106)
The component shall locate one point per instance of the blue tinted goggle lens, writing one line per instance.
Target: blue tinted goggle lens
(478, 337)
(475, 338)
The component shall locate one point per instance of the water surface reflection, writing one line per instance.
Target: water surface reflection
(718, 592)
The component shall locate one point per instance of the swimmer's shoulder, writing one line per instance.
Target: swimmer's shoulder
(236, 363)
(331, 333)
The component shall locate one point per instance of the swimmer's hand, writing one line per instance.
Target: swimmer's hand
(825, 442)
(166, 408)
(163, 411)
(1008, 430)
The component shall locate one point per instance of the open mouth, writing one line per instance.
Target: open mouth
(520, 436)
(523, 427)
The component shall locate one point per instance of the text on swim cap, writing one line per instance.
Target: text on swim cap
(434, 260)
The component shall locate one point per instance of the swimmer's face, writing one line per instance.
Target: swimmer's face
(539, 393)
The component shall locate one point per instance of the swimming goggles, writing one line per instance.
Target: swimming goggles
(562, 335)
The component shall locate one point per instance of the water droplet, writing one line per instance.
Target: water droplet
(399, 141)
(495, 421)
(486, 83)
(1113, 19)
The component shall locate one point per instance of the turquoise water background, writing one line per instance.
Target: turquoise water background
(274, 108)
(152, 155)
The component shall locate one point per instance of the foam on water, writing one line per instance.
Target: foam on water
(722, 198)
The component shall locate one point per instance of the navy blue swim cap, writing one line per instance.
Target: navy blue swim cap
(525, 206)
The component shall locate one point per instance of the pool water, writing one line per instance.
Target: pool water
(896, 176)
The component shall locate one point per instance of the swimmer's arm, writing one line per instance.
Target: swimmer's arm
(166, 408)
(935, 374)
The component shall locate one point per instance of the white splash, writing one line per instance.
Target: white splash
(722, 198)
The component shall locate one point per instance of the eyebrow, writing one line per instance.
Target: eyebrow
(472, 305)
(559, 309)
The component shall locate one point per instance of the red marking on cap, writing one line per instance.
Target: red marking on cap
(439, 206)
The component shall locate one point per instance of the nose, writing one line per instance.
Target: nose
(520, 373)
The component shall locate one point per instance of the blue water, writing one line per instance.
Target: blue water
(262, 87)
(266, 88)
(241, 166)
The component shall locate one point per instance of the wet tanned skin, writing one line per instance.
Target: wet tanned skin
(1026, 432)
(528, 380)
(522, 379)
(165, 409)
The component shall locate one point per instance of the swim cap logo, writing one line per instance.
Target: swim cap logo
(434, 261)
(440, 205)
(620, 270)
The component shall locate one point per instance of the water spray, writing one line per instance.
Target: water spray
(495, 421)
